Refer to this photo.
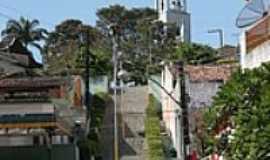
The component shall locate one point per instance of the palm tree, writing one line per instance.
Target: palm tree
(26, 32)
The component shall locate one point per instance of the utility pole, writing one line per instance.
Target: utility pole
(87, 75)
(184, 106)
(115, 65)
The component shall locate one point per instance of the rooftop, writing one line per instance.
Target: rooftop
(209, 73)
(13, 50)
(32, 82)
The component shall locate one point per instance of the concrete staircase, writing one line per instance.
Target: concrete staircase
(134, 103)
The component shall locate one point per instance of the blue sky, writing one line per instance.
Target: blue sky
(206, 14)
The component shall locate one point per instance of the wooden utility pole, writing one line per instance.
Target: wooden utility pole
(87, 74)
(184, 106)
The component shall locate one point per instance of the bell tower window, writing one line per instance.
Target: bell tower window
(162, 5)
(178, 32)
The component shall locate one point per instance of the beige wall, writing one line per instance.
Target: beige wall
(26, 108)
(256, 56)
(171, 111)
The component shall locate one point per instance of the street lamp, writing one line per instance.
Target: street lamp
(220, 34)
(115, 65)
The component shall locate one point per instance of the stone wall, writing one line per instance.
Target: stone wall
(201, 93)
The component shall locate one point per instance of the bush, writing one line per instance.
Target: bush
(243, 104)
(91, 144)
(152, 132)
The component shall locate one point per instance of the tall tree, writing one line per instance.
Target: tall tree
(141, 38)
(194, 53)
(26, 31)
(66, 52)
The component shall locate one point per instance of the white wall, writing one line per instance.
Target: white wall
(16, 141)
(255, 57)
(171, 111)
(178, 16)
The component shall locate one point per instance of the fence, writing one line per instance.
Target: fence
(55, 152)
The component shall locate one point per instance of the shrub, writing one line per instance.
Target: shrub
(91, 144)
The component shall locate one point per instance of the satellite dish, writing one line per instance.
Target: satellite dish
(252, 12)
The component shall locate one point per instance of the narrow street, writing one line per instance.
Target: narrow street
(131, 125)
(132, 144)
(107, 138)
(135, 80)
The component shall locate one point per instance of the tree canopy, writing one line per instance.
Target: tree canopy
(141, 38)
(65, 43)
(194, 53)
(144, 42)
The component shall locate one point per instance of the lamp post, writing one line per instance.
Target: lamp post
(122, 75)
(115, 65)
(220, 34)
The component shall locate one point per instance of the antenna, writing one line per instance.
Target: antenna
(252, 12)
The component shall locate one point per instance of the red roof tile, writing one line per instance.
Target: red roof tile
(31, 82)
(209, 73)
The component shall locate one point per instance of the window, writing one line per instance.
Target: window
(162, 5)
(179, 3)
(36, 140)
(178, 33)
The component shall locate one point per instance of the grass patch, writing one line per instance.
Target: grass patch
(152, 132)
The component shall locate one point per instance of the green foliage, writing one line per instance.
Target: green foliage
(91, 144)
(66, 51)
(97, 111)
(152, 132)
(100, 59)
(194, 53)
(142, 40)
(26, 32)
(244, 102)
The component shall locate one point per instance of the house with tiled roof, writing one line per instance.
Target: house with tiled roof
(37, 110)
(202, 82)
(228, 54)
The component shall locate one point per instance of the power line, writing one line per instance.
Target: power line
(21, 14)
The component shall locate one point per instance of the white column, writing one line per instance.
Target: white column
(243, 50)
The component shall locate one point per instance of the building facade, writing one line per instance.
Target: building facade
(202, 83)
(255, 44)
(175, 12)
(171, 111)
(37, 111)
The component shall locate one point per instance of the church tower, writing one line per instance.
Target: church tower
(175, 12)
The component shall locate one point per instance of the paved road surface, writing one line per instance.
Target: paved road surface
(131, 125)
